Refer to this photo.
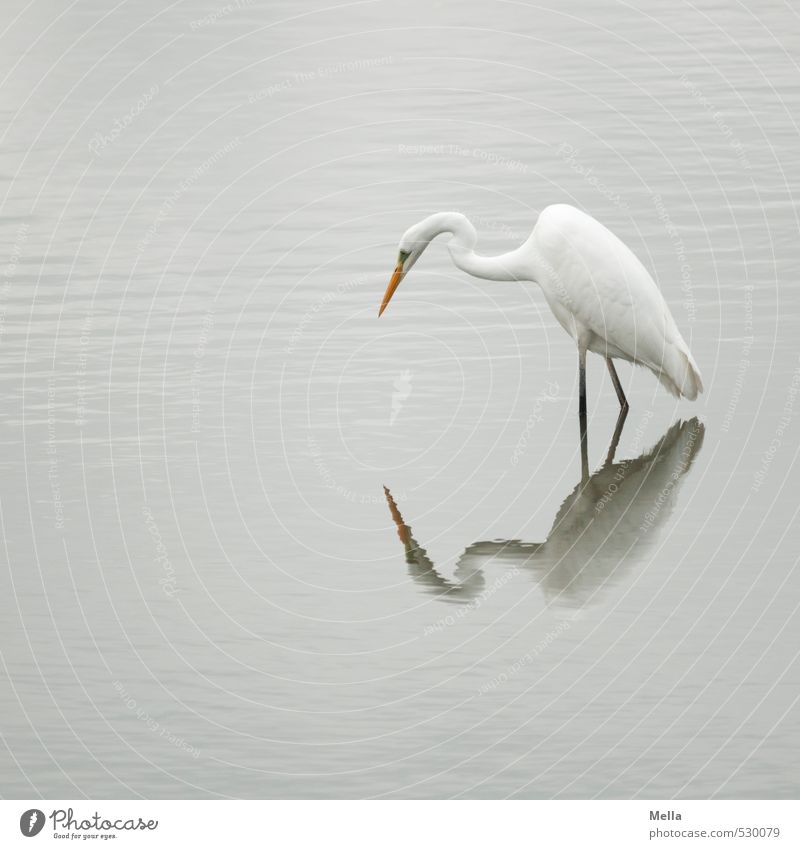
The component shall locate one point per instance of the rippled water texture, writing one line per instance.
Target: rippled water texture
(258, 543)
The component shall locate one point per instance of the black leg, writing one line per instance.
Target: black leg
(612, 449)
(623, 401)
(582, 411)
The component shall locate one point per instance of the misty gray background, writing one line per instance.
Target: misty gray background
(204, 592)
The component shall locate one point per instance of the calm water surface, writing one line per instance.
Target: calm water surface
(258, 543)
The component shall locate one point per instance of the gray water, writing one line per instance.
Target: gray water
(206, 589)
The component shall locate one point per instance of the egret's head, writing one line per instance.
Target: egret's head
(413, 243)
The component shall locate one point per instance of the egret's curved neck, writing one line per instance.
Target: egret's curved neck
(508, 266)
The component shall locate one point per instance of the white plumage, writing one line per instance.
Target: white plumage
(598, 290)
(597, 287)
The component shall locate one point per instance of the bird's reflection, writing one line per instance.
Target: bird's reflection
(604, 526)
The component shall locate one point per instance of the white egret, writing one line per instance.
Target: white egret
(595, 286)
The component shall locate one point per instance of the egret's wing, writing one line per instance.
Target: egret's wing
(608, 291)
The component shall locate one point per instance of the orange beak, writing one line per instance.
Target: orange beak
(390, 289)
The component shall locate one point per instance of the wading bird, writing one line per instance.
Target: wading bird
(593, 283)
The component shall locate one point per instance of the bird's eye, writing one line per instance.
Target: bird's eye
(403, 256)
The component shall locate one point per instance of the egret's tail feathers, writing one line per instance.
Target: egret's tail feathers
(679, 375)
(692, 382)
